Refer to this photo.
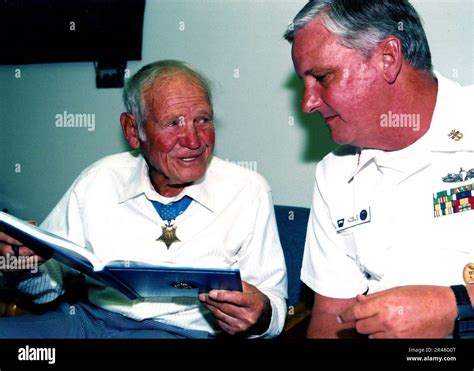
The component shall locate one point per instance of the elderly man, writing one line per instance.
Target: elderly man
(220, 213)
(387, 240)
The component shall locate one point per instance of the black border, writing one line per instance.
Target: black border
(381, 354)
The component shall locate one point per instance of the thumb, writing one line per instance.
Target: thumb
(361, 298)
(248, 288)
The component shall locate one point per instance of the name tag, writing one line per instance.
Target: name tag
(362, 217)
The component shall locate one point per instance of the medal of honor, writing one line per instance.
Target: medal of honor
(169, 213)
(168, 234)
(468, 274)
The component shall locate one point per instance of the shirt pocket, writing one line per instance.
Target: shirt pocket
(367, 248)
(348, 238)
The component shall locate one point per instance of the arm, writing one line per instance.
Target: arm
(329, 267)
(261, 308)
(246, 312)
(44, 283)
(12, 247)
(324, 318)
(404, 312)
(35, 284)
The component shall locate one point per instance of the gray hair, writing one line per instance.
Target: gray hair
(133, 93)
(363, 24)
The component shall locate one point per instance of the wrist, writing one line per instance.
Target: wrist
(263, 323)
(464, 322)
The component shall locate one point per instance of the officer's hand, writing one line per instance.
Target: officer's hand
(236, 312)
(17, 256)
(404, 312)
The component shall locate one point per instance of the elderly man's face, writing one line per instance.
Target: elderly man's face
(179, 131)
(340, 84)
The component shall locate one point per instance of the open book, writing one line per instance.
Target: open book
(134, 279)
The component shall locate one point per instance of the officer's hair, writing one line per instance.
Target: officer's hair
(133, 94)
(363, 24)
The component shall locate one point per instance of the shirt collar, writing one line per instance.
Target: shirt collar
(448, 116)
(363, 158)
(139, 184)
(202, 191)
(435, 139)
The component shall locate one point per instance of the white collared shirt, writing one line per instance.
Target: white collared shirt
(230, 223)
(372, 224)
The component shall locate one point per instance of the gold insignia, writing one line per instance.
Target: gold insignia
(468, 274)
(456, 135)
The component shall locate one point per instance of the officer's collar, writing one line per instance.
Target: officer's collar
(444, 134)
(450, 131)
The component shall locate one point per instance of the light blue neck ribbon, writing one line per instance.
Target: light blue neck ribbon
(172, 210)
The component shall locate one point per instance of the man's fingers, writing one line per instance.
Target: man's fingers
(232, 330)
(202, 297)
(18, 250)
(222, 316)
(6, 249)
(224, 326)
(232, 297)
(225, 307)
(11, 246)
(363, 309)
(236, 311)
(228, 323)
(8, 240)
(25, 251)
(248, 288)
(379, 335)
(241, 299)
(349, 314)
(20, 257)
(369, 325)
(362, 298)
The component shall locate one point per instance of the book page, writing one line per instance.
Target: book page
(40, 241)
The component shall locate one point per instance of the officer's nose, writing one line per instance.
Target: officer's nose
(312, 101)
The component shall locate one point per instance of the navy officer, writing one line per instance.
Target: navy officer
(387, 241)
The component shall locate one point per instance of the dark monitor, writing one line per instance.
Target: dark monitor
(46, 31)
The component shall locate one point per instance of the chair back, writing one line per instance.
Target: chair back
(292, 223)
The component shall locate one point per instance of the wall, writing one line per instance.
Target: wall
(239, 45)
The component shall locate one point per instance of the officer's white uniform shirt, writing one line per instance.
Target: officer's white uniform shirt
(372, 224)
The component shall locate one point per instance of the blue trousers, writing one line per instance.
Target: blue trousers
(86, 321)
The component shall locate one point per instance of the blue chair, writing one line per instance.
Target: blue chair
(292, 223)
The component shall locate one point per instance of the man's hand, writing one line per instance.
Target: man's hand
(404, 312)
(12, 247)
(239, 312)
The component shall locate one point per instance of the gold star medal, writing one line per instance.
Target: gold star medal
(168, 234)
(169, 213)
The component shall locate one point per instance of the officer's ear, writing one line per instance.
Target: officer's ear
(392, 58)
(130, 130)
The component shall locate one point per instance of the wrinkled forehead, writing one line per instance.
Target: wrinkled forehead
(175, 92)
